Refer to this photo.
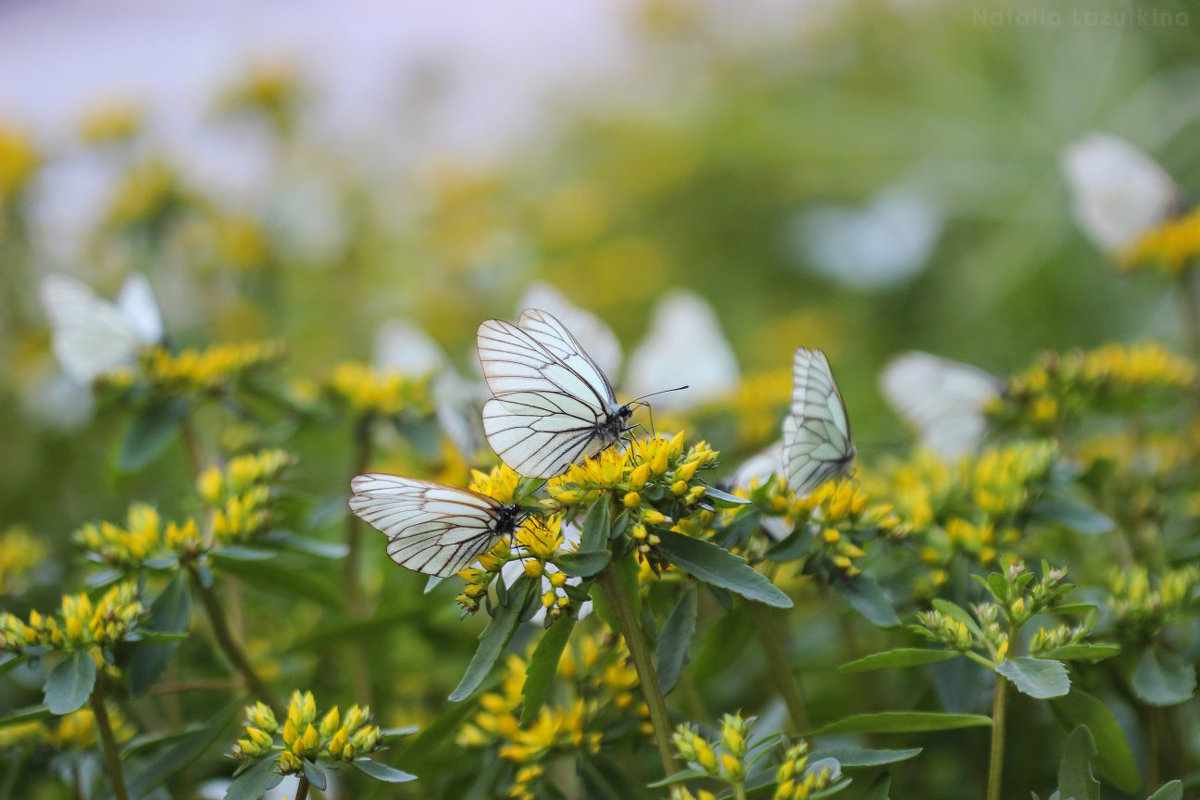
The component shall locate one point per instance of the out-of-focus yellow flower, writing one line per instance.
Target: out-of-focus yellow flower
(19, 553)
(1169, 248)
(19, 160)
(200, 371)
(1144, 603)
(81, 623)
(111, 123)
(148, 196)
(272, 90)
(367, 392)
(74, 731)
(126, 547)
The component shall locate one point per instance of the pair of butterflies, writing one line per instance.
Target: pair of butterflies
(551, 407)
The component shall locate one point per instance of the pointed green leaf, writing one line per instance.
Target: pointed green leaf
(253, 783)
(583, 564)
(1115, 761)
(724, 499)
(69, 684)
(314, 774)
(151, 432)
(1037, 677)
(675, 640)
(867, 598)
(1075, 781)
(719, 567)
(880, 788)
(1163, 679)
(1072, 514)
(1169, 791)
(382, 772)
(900, 657)
(902, 722)
(1083, 652)
(179, 756)
(539, 677)
(596, 525)
(170, 613)
(494, 639)
(863, 757)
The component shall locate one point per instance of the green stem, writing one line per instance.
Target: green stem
(739, 791)
(108, 742)
(353, 575)
(1189, 299)
(227, 641)
(996, 762)
(192, 445)
(302, 789)
(781, 668)
(614, 592)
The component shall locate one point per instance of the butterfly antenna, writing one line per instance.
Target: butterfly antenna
(655, 394)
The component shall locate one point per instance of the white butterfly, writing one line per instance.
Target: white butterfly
(552, 405)
(603, 345)
(431, 528)
(685, 346)
(1118, 193)
(817, 444)
(405, 348)
(93, 336)
(942, 399)
(758, 469)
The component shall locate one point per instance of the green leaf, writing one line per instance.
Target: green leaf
(1037, 677)
(880, 788)
(388, 734)
(900, 657)
(239, 553)
(1169, 791)
(9, 664)
(169, 613)
(724, 499)
(1163, 679)
(902, 722)
(314, 774)
(1075, 781)
(26, 714)
(287, 540)
(255, 781)
(867, 598)
(1083, 652)
(539, 677)
(719, 567)
(677, 777)
(583, 564)
(151, 432)
(294, 577)
(1115, 761)
(1072, 514)
(439, 734)
(493, 639)
(596, 525)
(382, 772)
(864, 757)
(69, 684)
(187, 750)
(675, 640)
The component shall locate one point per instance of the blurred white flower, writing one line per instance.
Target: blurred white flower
(1117, 192)
(684, 347)
(516, 568)
(883, 244)
(758, 469)
(591, 331)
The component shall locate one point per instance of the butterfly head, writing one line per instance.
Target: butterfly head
(509, 517)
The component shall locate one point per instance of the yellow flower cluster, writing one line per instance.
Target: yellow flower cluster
(604, 686)
(651, 469)
(240, 494)
(74, 731)
(19, 160)
(111, 123)
(1169, 248)
(1143, 603)
(273, 90)
(1062, 386)
(19, 553)
(80, 623)
(143, 537)
(148, 195)
(304, 737)
(193, 371)
(794, 781)
(1000, 480)
(366, 392)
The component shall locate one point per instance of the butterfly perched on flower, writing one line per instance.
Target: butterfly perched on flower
(552, 406)
(431, 528)
(91, 336)
(943, 399)
(817, 444)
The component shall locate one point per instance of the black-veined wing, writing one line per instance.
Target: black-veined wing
(817, 442)
(431, 528)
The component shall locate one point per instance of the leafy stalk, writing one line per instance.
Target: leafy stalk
(614, 592)
(353, 577)
(781, 668)
(227, 641)
(108, 742)
(996, 761)
(302, 789)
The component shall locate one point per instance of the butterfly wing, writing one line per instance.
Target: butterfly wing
(138, 303)
(434, 529)
(817, 444)
(603, 346)
(942, 399)
(403, 347)
(90, 336)
(550, 397)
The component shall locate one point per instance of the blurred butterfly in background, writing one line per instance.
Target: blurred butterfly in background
(603, 345)
(942, 399)
(1118, 193)
(817, 443)
(93, 337)
(431, 528)
(685, 345)
(552, 406)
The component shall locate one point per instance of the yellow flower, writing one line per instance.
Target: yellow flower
(1168, 248)
(19, 553)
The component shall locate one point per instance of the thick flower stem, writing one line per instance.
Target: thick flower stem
(614, 592)
(1189, 300)
(108, 742)
(781, 668)
(996, 762)
(353, 576)
(192, 445)
(302, 789)
(226, 640)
